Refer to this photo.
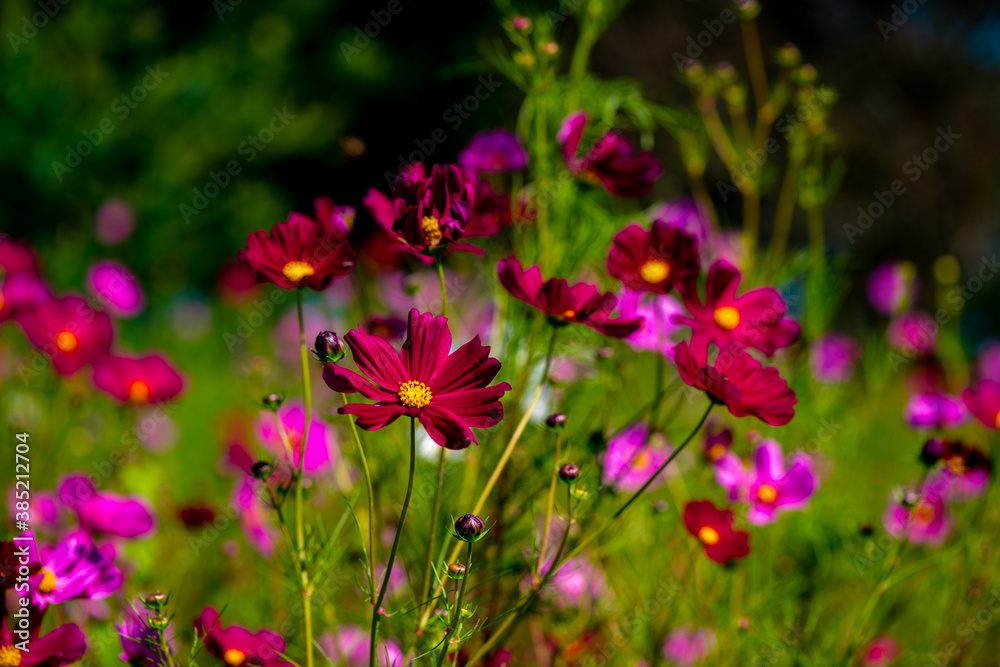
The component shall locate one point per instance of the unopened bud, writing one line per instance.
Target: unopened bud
(329, 347)
(747, 10)
(156, 600)
(556, 421)
(469, 528)
(788, 55)
(273, 401)
(521, 23)
(261, 470)
(456, 571)
(569, 473)
(159, 622)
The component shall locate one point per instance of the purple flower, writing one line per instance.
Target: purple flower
(769, 486)
(73, 569)
(46, 513)
(988, 365)
(892, 288)
(494, 151)
(658, 327)
(105, 512)
(116, 288)
(322, 448)
(832, 357)
(914, 332)
(632, 456)
(934, 410)
(138, 639)
(350, 645)
(924, 515)
(114, 222)
(687, 645)
(64, 645)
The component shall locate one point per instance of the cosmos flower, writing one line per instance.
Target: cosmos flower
(448, 393)
(738, 381)
(988, 362)
(714, 529)
(756, 319)
(612, 161)
(20, 292)
(64, 645)
(575, 584)
(832, 358)
(116, 288)
(687, 646)
(965, 472)
(138, 638)
(654, 260)
(322, 448)
(657, 313)
(892, 287)
(632, 457)
(300, 252)
(914, 332)
(340, 218)
(494, 151)
(490, 212)
(581, 303)
(138, 380)
(68, 331)
(105, 512)
(253, 513)
(923, 515)
(717, 442)
(773, 488)
(983, 401)
(16, 257)
(934, 410)
(235, 645)
(881, 652)
(350, 646)
(431, 212)
(75, 568)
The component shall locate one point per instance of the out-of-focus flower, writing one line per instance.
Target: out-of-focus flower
(612, 161)
(389, 327)
(654, 260)
(738, 381)
(114, 222)
(156, 430)
(20, 292)
(717, 442)
(914, 332)
(115, 288)
(934, 410)
(494, 151)
(687, 646)
(196, 515)
(756, 319)
(254, 520)
(138, 380)
(658, 327)
(349, 646)
(431, 212)
(300, 252)
(983, 401)
(966, 471)
(771, 488)
(105, 512)
(923, 515)
(322, 450)
(449, 393)
(490, 212)
(892, 287)
(581, 303)
(832, 358)
(575, 584)
(714, 529)
(683, 214)
(237, 283)
(46, 513)
(75, 568)
(16, 257)
(988, 364)
(68, 331)
(340, 218)
(64, 645)
(632, 457)
(236, 646)
(881, 652)
(138, 639)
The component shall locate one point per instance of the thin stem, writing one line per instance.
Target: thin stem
(755, 63)
(551, 506)
(371, 503)
(300, 533)
(429, 569)
(377, 610)
(783, 216)
(444, 287)
(456, 617)
(751, 220)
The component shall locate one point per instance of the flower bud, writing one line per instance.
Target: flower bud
(569, 473)
(521, 23)
(329, 347)
(261, 470)
(456, 571)
(556, 421)
(156, 600)
(726, 73)
(273, 401)
(550, 48)
(159, 622)
(788, 55)
(805, 75)
(747, 10)
(692, 71)
(469, 528)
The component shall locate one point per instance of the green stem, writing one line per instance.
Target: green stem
(549, 509)
(456, 616)
(300, 533)
(377, 610)
(444, 288)
(755, 63)
(371, 503)
(429, 569)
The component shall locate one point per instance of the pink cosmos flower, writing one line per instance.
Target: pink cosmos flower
(714, 529)
(75, 568)
(577, 583)
(832, 358)
(254, 519)
(449, 393)
(236, 646)
(349, 646)
(923, 515)
(966, 471)
(632, 456)
(657, 312)
(771, 488)
(892, 287)
(718, 441)
(105, 512)
(490, 212)
(116, 288)
(64, 645)
(934, 410)
(983, 402)
(494, 151)
(46, 512)
(68, 331)
(612, 161)
(139, 380)
(914, 332)
(881, 652)
(687, 646)
(322, 450)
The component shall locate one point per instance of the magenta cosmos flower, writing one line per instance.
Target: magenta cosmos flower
(236, 645)
(632, 456)
(892, 287)
(75, 568)
(350, 645)
(300, 252)
(430, 213)
(881, 652)
(20, 292)
(116, 288)
(965, 471)
(612, 161)
(983, 402)
(105, 512)
(769, 486)
(832, 358)
(756, 319)
(654, 259)
(739, 382)
(934, 410)
(581, 303)
(449, 393)
(139, 380)
(321, 450)
(914, 332)
(16, 257)
(657, 311)
(688, 646)
(68, 331)
(494, 151)
(923, 515)
(714, 529)
(138, 639)
(575, 584)
(64, 645)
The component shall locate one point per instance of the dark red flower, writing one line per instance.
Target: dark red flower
(68, 331)
(431, 213)
(756, 319)
(612, 161)
(300, 252)
(16, 257)
(490, 212)
(653, 260)
(64, 645)
(984, 403)
(448, 393)
(714, 529)
(238, 646)
(564, 303)
(739, 381)
(142, 380)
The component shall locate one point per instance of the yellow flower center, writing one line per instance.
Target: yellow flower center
(570, 314)
(767, 493)
(654, 271)
(996, 421)
(727, 317)
(234, 657)
(430, 230)
(66, 341)
(9, 656)
(48, 583)
(414, 394)
(924, 513)
(1, 302)
(708, 535)
(138, 392)
(296, 270)
(641, 460)
(716, 451)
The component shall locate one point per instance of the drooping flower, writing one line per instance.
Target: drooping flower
(236, 646)
(913, 332)
(922, 515)
(688, 646)
(430, 213)
(68, 331)
(714, 529)
(983, 401)
(116, 288)
(738, 381)
(832, 358)
(892, 287)
(581, 303)
(321, 450)
(300, 252)
(773, 488)
(449, 393)
(934, 410)
(657, 313)
(494, 151)
(138, 639)
(103, 511)
(138, 380)
(881, 652)
(632, 456)
(64, 645)
(349, 646)
(755, 319)
(75, 568)
(655, 259)
(612, 161)
(20, 292)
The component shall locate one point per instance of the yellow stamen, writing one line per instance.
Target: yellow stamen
(9, 656)
(431, 231)
(570, 314)
(708, 535)
(924, 512)
(641, 460)
(654, 271)
(48, 583)
(767, 493)
(727, 317)
(138, 392)
(296, 270)
(1, 302)
(716, 452)
(66, 341)
(234, 657)
(414, 394)
(996, 421)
